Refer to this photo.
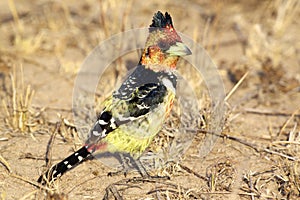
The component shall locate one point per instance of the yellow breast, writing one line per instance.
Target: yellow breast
(135, 136)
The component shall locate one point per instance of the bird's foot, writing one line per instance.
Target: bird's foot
(117, 173)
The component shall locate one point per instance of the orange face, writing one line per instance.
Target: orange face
(154, 57)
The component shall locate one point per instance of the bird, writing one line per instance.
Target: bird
(134, 113)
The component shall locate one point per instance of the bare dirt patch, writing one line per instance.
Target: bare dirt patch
(43, 44)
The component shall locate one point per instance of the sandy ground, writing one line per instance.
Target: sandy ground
(43, 44)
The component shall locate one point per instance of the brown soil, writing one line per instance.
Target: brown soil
(43, 44)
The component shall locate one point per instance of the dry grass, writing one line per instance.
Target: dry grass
(19, 115)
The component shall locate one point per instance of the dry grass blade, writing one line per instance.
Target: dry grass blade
(281, 154)
(233, 90)
(17, 108)
(5, 163)
(192, 172)
(287, 122)
(179, 193)
(27, 196)
(269, 112)
(7, 166)
(112, 189)
(13, 10)
(286, 142)
(287, 11)
(30, 182)
(50, 144)
(254, 146)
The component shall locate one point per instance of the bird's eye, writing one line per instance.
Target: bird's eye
(163, 45)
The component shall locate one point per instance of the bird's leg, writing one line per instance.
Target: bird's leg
(125, 166)
(140, 167)
(142, 170)
(128, 162)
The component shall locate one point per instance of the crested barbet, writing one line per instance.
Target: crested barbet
(134, 114)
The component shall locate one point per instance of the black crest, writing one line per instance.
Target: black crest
(161, 21)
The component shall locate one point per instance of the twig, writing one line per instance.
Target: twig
(29, 194)
(287, 122)
(249, 194)
(258, 149)
(30, 156)
(236, 86)
(253, 146)
(192, 172)
(263, 172)
(3, 139)
(286, 142)
(281, 154)
(174, 191)
(30, 182)
(251, 186)
(216, 192)
(50, 144)
(112, 188)
(268, 112)
(257, 195)
(5, 163)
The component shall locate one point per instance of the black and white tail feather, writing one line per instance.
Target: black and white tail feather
(62, 167)
(104, 124)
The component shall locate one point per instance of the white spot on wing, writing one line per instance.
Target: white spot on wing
(103, 134)
(142, 106)
(96, 133)
(66, 162)
(69, 166)
(113, 125)
(121, 118)
(102, 122)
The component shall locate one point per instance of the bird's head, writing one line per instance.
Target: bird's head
(163, 46)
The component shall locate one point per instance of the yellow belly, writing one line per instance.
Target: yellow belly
(134, 137)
